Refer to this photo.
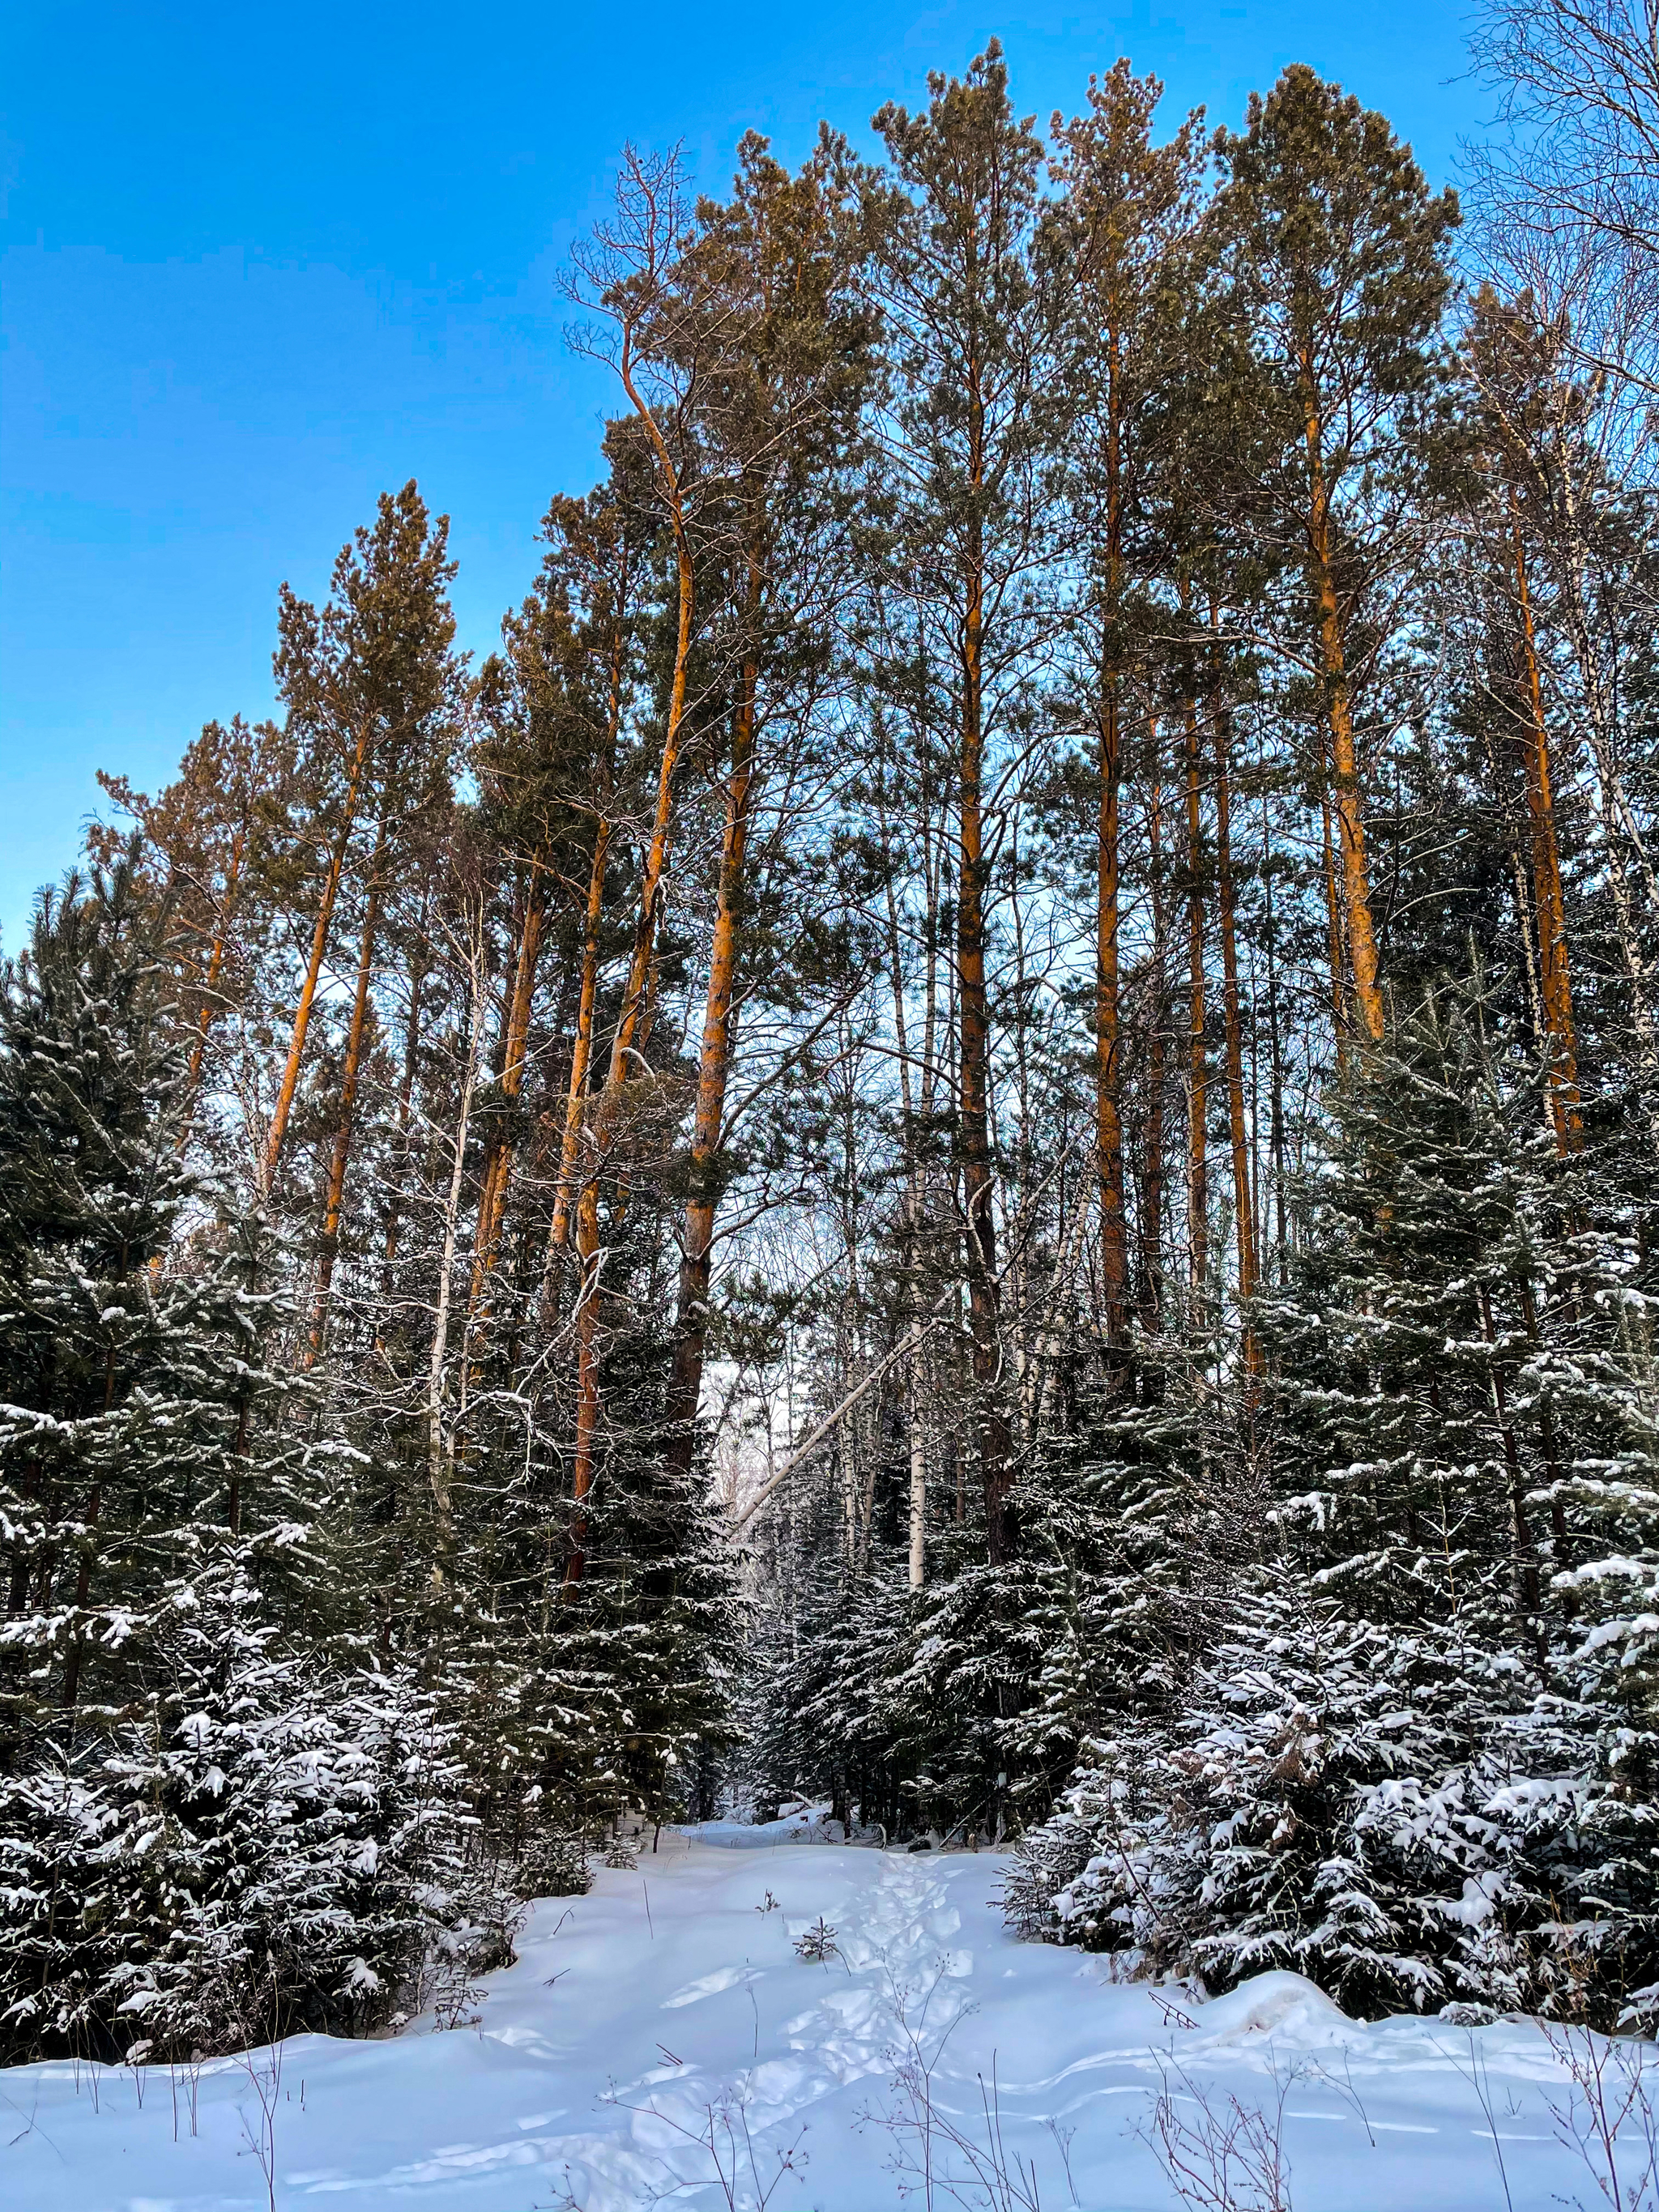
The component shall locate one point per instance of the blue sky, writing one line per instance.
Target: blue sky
(258, 264)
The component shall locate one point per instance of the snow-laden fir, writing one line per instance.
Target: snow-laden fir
(662, 2040)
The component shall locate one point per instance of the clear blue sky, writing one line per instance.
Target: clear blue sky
(260, 263)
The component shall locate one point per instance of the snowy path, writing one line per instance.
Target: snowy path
(670, 2005)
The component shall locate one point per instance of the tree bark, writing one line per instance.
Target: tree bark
(1554, 983)
(1238, 1120)
(1338, 710)
(1198, 1105)
(320, 936)
(437, 1461)
(334, 1198)
(1151, 1206)
(492, 1195)
(1108, 1067)
(973, 1078)
(719, 1037)
(653, 891)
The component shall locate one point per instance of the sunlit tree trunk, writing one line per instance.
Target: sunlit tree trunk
(1238, 1123)
(320, 936)
(1152, 1208)
(1198, 1105)
(1554, 983)
(652, 892)
(340, 1152)
(1338, 710)
(719, 1035)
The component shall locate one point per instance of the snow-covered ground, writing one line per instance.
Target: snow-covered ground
(661, 2041)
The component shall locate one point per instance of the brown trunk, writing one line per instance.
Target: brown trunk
(319, 936)
(1238, 1120)
(973, 1077)
(1152, 1211)
(406, 1095)
(1108, 1066)
(652, 890)
(718, 1030)
(1351, 828)
(1554, 985)
(498, 1162)
(1336, 936)
(581, 1048)
(1198, 1186)
(1276, 1105)
(334, 1199)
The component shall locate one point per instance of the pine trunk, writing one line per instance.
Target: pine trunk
(498, 1162)
(1554, 984)
(719, 1035)
(974, 1077)
(1238, 1121)
(320, 936)
(1108, 1065)
(1198, 1103)
(653, 891)
(334, 1198)
(1345, 780)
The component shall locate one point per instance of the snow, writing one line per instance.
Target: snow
(671, 2004)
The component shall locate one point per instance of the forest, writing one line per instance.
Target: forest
(971, 1137)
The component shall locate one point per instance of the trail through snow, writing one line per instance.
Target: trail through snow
(661, 2042)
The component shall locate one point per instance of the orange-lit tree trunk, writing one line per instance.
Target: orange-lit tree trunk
(1109, 1064)
(1198, 1103)
(340, 1153)
(1152, 1208)
(1555, 988)
(581, 1047)
(326, 902)
(1339, 709)
(1108, 1061)
(652, 892)
(1335, 935)
(718, 1030)
(417, 975)
(1238, 1120)
(498, 1161)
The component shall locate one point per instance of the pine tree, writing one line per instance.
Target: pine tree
(1340, 252)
